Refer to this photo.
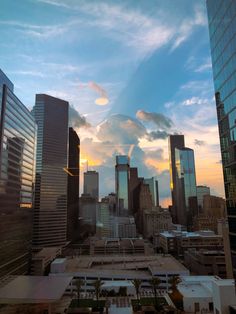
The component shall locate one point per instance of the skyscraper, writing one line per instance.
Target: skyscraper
(91, 184)
(73, 185)
(201, 191)
(17, 168)
(186, 190)
(50, 206)
(153, 187)
(122, 177)
(222, 31)
(175, 141)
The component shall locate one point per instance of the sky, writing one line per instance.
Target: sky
(132, 71)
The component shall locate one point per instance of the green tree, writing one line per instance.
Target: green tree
(174, 281)
(79, 283)
(155, 282)
(137, 284)
(97, 286)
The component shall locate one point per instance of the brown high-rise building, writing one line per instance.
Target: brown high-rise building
(175, 141)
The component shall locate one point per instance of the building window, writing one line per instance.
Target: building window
(211, 307)
(196, 307)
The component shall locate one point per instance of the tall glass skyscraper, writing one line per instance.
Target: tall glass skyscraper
(175, 141)
(222, 30)
(17, 168)
(186, 188)
(50, 205)
(122, 184)
(91, 184)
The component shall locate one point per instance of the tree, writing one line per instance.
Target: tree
(155, 282)
(97, 286)
(175, 295)
(79, 283)
(137, 284)
(174, 281)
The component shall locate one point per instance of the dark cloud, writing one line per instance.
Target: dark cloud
(155, 135)
(161, 121)
(199, 142)
(76, 120)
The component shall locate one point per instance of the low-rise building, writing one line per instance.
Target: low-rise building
(207, 294)
(179, 241)
(40, 261)
(155, 221)
(205, 262)
(122, 267)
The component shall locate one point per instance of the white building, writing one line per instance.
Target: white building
(207, 294)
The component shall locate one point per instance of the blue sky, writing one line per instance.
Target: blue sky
(150, 59)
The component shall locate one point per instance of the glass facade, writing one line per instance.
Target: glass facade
(50, 203)
(185, 184)
(17, 171)
(91, 184)
(222, 31)
(122, 184)
(175, 141)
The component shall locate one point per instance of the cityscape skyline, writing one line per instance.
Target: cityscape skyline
(138, 115)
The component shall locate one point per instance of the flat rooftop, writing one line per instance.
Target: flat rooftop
(137, 265)
(34, 289)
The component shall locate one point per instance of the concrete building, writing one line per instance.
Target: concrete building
(17, 178)
(153, 187)
(123, 267)
(204, 262)
(177, 242)
(145, 203)
(122, 227)
(155, 221)
(88, 214)
(207, 294)
(201, 191)
(214, 206)
(50, 203)
(91, 184)
(40, 261)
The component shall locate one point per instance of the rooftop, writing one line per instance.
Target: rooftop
(34, 289)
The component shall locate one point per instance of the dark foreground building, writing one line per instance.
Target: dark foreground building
(50, 207)
(222, 30)
(17, 168)
(73, 186)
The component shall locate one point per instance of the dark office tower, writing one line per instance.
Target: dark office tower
(122, 177)
(91, 184)
(222, 30)
(175, 141)
(153, 187)
(134, 182)
(50, 206)
(186, 190)
(17, 169)
(73, 186)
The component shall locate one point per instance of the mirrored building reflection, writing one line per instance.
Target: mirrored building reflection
(17, 170)
(186, 189)
(122, 176)
(222, 31)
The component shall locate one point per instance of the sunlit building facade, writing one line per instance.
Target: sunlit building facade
(122, 184)
(17, 168)
(50, 205)
(186, 190)
(222, 31)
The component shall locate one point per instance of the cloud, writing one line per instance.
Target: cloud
(199, 142)
(121, 129)
(195, 101)
(154, 135)
(158, 119)
(103, 100)
(76, 120)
